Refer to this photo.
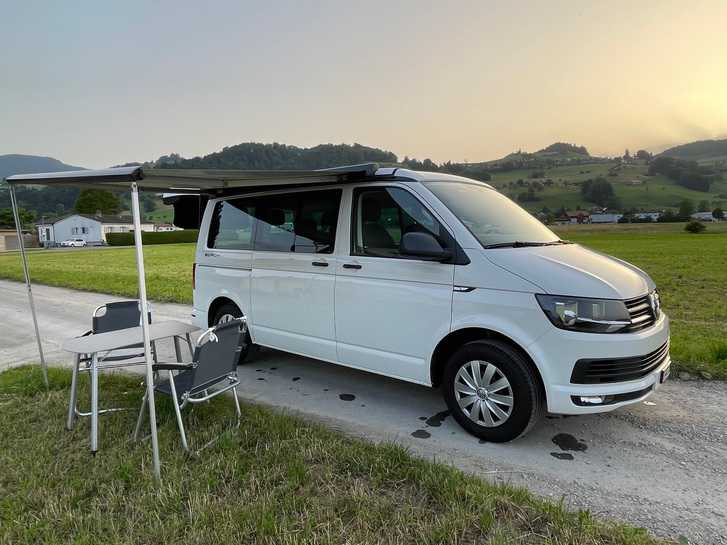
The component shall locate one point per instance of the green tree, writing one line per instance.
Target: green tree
(91, 201)
(7, 220)
(686, 208)
(599, 191)
(703, 206)
(643, 155)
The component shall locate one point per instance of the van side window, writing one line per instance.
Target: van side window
(383, 214)
(302, 222)
(232, 225)
(275, 215)
(315, 224)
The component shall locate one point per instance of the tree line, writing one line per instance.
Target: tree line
(688, 174)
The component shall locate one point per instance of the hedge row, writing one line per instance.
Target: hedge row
(163, 237)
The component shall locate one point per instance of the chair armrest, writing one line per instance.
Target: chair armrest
(172, 366)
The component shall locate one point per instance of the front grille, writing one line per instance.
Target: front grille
(606, 370)
(640, 313)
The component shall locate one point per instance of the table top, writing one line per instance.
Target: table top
(122, 338)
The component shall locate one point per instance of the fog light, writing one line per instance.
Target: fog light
(591, 400)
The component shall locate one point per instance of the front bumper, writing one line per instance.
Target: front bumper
(557, 351)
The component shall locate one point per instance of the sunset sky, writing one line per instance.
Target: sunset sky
(98, 83)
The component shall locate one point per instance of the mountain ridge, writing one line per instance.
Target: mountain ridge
(700, 150)
(18, 163)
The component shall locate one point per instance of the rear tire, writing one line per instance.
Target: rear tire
(228, 312)
(491, 391)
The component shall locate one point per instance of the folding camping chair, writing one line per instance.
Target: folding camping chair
(105, 318)
(214, 364)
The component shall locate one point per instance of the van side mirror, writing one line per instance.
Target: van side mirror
(423, 246)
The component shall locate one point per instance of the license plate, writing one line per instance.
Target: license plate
(665, 375)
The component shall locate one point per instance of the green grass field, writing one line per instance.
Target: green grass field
(690, 271)
(275, 479)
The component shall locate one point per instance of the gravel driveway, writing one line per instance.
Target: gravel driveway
(661, 464)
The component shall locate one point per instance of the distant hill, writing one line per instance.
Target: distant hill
(557, 154)
(702, 151)
(561, 148)
(40, 201)
(257, 156)
(31, 164)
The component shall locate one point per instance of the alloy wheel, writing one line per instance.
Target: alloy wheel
(483, 393)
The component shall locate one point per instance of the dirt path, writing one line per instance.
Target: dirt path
(660, 464)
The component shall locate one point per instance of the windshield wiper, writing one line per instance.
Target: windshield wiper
(524, 244)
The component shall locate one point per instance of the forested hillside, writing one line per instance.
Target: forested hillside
(701, 151)
(257, 156)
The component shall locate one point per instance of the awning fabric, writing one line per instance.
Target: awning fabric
(193, 181)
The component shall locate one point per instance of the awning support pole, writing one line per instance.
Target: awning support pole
(21, 245)
(145, 330)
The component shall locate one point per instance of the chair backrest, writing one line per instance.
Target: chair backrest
(217, 358)
(120, 315)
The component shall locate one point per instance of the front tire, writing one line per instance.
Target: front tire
(491, 391)
(228, 312)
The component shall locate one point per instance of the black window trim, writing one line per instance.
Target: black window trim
(459, 257)
(335, 227)
(296, 191)
(209, 227)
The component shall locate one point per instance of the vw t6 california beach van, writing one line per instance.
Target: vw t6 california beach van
(438, 280)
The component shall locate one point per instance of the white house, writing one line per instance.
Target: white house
(92, 229)
(605, 218)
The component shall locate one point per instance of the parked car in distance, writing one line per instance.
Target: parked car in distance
(438, 280)
(74, 243)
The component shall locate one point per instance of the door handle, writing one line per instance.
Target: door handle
(351, 266)
(319, 264)
(211, 254)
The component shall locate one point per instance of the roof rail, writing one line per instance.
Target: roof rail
(363, 170)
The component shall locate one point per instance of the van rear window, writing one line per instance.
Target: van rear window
(232, 225)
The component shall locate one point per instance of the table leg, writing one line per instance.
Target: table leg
(72, 402)
(94, 404)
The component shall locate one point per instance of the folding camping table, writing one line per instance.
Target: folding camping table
(100, 345)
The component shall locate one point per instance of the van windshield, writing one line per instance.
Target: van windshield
(495, 220)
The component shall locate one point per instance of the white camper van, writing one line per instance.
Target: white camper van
(438, 280)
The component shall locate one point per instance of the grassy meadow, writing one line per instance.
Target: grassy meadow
(690, 271)
(275, 479)
(110, 270)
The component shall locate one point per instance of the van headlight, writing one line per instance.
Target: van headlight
(585, 314)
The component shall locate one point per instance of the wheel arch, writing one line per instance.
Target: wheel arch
(216, 304)
(455, 339)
